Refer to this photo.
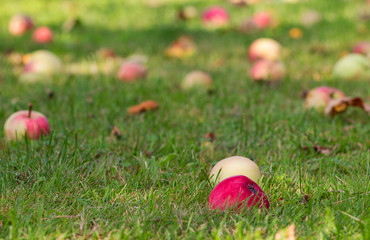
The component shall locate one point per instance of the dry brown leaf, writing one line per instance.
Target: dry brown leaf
(336, 106)
(287, 233)
(143, 107)
(321, 149)
(210, 137)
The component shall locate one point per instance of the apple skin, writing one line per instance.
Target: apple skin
(19, 124)
(196, 79)
(130, 71)
(237, 193)
(215, 17)
(233, 166)
(42, 35)
(19, 24)
(264, 48)
(318, 98)
(264, 70)
(352, 67)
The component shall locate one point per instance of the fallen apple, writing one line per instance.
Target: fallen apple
(352, 67)
(187, 13)
(30, 123)
(42, 35)
(264, 70)
(310, 18)
(265, 48)
(130, 71)
(40, 65)
(198, 78)
(183, 47)
(318, 98)
(263, 19)
(238, 193)
(215, 17)
(362, 48)
(233, 166)
(19, 24)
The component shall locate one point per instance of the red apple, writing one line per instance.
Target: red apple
(264, 70)
(318, 98)
(215, 17)
(19, 24)
(42, 35)
(30, 123)
(264, 48)
(131, 71)
(362, 48)
(263, 19)
(196, 79)
(239, 193)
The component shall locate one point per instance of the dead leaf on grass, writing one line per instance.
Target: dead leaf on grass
(337, 106)
(116, 133)
(143, 107)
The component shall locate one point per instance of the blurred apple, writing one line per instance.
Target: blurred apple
(233, 166)
(318, 98)
(362, 48)
(130, 71)
(19, 24)
(195, 79)
(187, 13)
(30, 123)
(42, 35)
(310, 18)
(265, 70)
(265, 48)
(40, 65)
(183, 47)
(352, 67)
(215, 17)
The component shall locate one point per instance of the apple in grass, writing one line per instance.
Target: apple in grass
(353, 66)
(26, 123)
(318, 98)
(42, 35)
(362, 48)
(195, 79)
(237, 193)
(19, 24)
(233, 166)
(265, 70)
(265, 48)
(215, 17)
(131, 71)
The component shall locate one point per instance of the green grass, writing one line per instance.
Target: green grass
(152, 184)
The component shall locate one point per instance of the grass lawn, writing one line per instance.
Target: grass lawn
(153, 183)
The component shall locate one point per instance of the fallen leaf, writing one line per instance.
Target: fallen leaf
(287, 233)
(210, 137)
(143, 107)
(181, 48)
(337, 106)
(116, 133)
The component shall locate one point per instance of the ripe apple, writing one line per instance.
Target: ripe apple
(42, 35)
(310, 18)
(131, 71)
(265, 48)
(233, 166)
(30, 123)
(197, 79)
(263, 19)
(238, 193)
(40, 65)
(352, 67)
(264, 70)
(215, 17)
(362, 48)
(318, 98)
(19, 24)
